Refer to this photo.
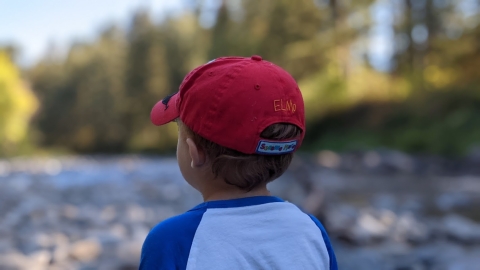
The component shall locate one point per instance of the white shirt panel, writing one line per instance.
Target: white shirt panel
(274, 235)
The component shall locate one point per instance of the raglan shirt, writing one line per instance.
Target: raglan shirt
(261, 232)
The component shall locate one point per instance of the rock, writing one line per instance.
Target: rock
(60, 239)
(41, 258)
(139, 232)
(43, 240)
(385, 201)
(329, 159)
(61, 253)
(109, 213)
(52, 167)
(450, 200)
(372, 225)
(13, 260)
(135, 213)
(474, 153)
(70, 211)
(361, 259)
(171, 192)
(398, 161)
(5, 245)
(36, 261)
(340, 219)
(413, 204)
(448, 256)
(4, 168)
(86, 250)
(129, 251)
(470, 260)
(408, 229)
(372, 159)
(461, 229)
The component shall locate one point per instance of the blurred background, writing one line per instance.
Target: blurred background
(390, 162)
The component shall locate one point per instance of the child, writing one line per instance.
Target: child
(239, 121)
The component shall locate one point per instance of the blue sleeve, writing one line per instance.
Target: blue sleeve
(331, 254)
(167, 246)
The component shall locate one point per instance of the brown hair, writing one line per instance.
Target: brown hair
(248, 171)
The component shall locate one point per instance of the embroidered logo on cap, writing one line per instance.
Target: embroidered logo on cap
(276, 148)
(284, 105)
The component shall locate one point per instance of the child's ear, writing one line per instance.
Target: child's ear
(196, 154)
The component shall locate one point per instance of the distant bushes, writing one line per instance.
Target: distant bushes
(441, 122)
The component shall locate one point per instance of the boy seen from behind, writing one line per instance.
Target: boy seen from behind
(239, 120)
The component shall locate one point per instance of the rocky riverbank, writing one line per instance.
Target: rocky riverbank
(384, 210)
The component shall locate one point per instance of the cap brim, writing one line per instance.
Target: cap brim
(164, 113)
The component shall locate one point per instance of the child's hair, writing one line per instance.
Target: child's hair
(247, 171)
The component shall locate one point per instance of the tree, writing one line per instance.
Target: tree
(17, 105)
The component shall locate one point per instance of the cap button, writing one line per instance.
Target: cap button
(257, 58)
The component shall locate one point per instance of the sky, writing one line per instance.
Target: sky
(33, 25)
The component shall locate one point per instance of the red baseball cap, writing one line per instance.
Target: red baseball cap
(231, 100)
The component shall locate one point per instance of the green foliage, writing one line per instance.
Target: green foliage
(99, 97)
(17, 105)
(445, 123)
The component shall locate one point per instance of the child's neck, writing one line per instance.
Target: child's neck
(233, 193)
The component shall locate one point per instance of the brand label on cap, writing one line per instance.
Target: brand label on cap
(276, 148)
